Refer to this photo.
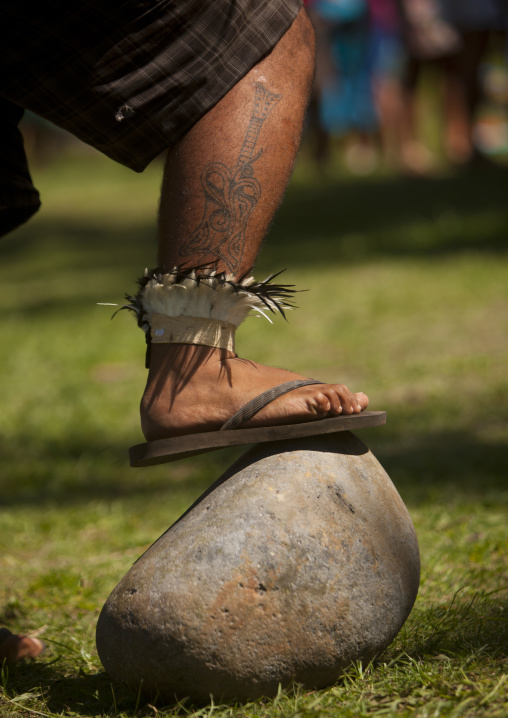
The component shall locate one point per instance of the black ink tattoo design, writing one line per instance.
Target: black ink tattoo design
(231, 194)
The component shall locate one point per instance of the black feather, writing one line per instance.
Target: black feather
(275, 297)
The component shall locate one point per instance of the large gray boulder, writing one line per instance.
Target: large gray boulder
(299, 560)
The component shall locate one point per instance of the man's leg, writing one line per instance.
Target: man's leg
(222, 185)
(264, 138)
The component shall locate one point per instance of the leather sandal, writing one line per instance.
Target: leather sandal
(201, 306)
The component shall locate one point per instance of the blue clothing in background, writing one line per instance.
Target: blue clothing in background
(346, 101)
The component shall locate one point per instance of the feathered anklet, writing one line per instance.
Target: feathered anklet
(203, 306)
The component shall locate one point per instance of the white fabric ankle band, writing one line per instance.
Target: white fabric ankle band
(192, 330)
(202, 306)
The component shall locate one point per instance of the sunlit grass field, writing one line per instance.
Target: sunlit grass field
(407, 301)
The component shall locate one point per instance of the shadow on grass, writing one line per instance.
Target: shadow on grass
(82, 694)
(75, 469)
(373, 211)
(450, 465)
(462, 627)
(332, 214)
(86, 695)
(463, 630)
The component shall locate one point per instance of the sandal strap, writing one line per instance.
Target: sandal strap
(259, 402)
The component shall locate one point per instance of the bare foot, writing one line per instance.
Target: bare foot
(193, 389)
(13, 647)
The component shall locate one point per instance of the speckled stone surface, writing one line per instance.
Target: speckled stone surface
(300, 559)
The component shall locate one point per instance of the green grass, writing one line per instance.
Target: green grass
(408, 301)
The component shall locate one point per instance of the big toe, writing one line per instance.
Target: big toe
(362, 399)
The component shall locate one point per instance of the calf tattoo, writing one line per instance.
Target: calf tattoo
(231, 194)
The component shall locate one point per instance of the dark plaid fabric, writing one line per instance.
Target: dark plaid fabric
(131, 77)
(19, 199)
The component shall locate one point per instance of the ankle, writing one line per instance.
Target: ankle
(183, 383)
(174, 361)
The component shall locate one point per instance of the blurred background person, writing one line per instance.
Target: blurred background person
(476, 22)
(360, 92)
(379, 65)
(451, 37)
(343, 103)
(388, 62)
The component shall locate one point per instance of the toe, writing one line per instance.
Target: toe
(335, 403)
(347, 399)
(350, 403)
(321, 403)
(362, 400)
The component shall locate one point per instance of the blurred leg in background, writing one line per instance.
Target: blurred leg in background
(344, 99)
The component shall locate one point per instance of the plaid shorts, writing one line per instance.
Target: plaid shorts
(129, 77)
